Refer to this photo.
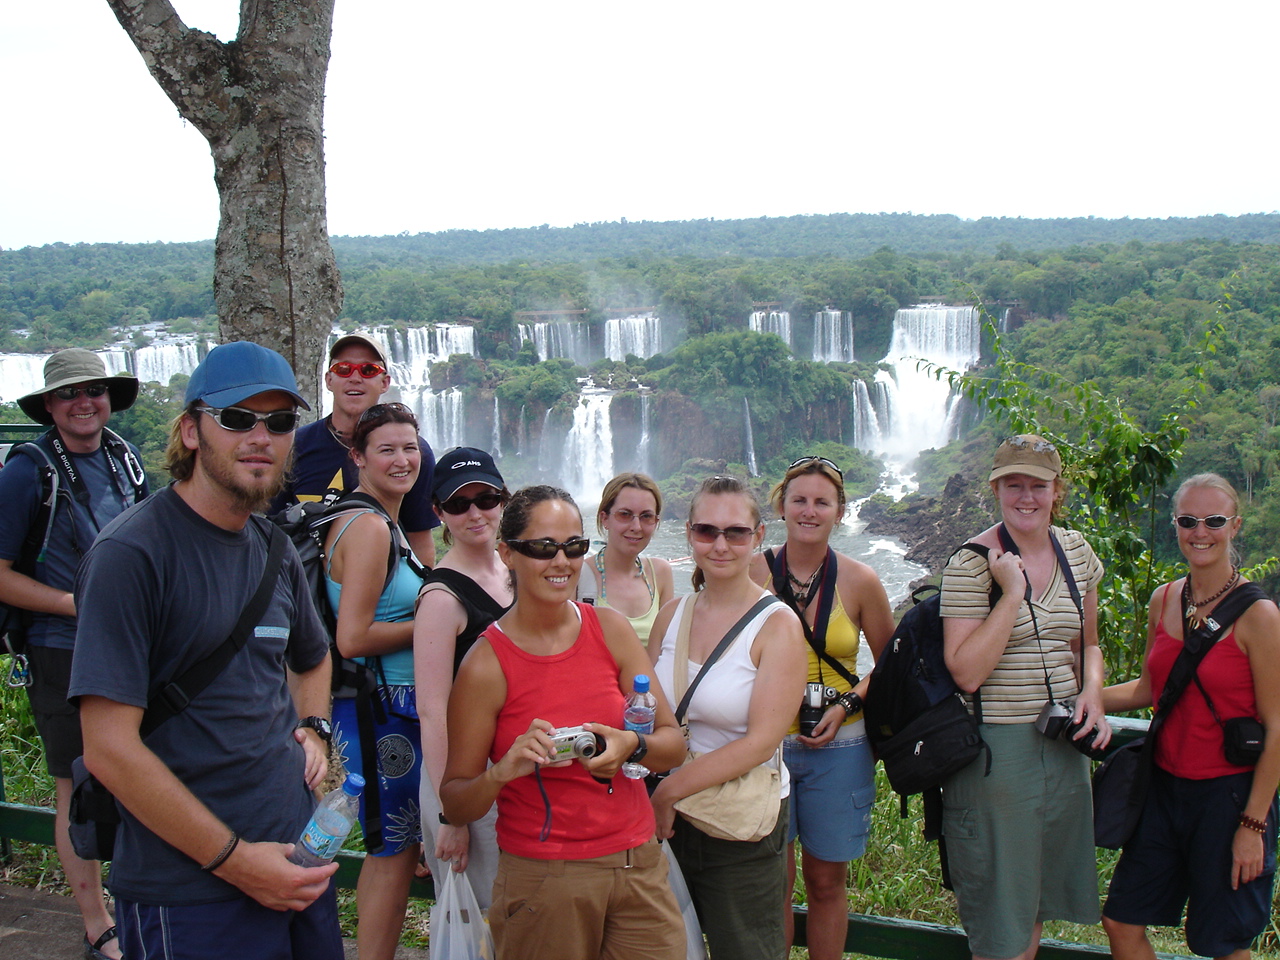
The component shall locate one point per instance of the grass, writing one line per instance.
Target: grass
(898, 877)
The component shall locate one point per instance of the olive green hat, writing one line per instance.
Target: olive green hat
(66, 368)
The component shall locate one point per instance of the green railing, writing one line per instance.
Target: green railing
(870, 935)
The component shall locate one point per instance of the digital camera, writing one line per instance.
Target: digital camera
(1055, 723)
(572, 743)
(817, 698)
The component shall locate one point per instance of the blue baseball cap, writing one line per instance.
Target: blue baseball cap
(237, 371)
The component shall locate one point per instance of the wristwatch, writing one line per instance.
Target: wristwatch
(320, 725)
(851, 702)
(641, 750)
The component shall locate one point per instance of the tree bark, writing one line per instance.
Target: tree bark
(259, 101)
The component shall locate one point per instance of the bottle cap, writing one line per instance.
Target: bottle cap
(353, 784)
(641, 683)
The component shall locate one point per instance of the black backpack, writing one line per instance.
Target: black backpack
(916, 717)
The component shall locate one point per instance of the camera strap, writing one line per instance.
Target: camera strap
(817, 634)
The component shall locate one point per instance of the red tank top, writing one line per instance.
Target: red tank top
(579, 685)
(1190, 742)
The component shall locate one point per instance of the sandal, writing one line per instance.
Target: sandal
(93, 951)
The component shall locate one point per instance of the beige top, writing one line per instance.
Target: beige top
(1015, 690)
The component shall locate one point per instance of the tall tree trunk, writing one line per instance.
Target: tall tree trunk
(259, 101)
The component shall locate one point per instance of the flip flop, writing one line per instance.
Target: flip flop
(93, 951)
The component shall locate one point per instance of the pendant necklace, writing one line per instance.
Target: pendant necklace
(1194, 605)
(802, 591)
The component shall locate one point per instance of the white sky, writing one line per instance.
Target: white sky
(507, 114)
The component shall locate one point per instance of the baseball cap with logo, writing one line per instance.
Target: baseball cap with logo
(462, 465)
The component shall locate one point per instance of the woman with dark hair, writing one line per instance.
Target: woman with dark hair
(736, 717)
(1020, 839)
(580, 874)
(1206, 839)
(833, 783)
(466, 591)
(372, 584)
(635, 586)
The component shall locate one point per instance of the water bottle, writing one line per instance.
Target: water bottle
(638, 716)
(329, 825)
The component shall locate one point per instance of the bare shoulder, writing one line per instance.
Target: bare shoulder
(760, 572)
(1259, 627)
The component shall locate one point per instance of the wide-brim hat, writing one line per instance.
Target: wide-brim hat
(1028, 454)
(66, 368)
(358, 339)
(462, 465)
(236, 371)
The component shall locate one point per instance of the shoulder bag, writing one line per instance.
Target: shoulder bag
(746, 807)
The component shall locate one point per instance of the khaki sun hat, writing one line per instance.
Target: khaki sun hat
(1026, 453)
(66, 368)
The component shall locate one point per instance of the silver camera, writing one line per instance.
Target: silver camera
(573, 743)
(1055, 723)
(817, 698)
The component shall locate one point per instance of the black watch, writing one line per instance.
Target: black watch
(322, 727)
(642, 749)
(851, 702)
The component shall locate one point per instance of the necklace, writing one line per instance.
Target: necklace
(803, 590)
(337, 435)
(639, 573)
(1194, 605)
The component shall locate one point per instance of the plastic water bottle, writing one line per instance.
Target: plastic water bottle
(329, 826)
(638, 716)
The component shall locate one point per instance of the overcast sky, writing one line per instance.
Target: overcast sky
(506, 114)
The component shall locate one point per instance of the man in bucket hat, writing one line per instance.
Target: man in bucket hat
(216, 794)
(58, 492)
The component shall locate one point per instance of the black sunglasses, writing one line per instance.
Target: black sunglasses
(822, 460)
(94, 390)
(240, 420)
(545, 548)
(1188, 522)
(458, 505)
(708, 533)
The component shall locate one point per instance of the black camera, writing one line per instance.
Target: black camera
(1055, 723)
(817, 697)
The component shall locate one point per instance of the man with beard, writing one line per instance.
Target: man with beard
(214, 795)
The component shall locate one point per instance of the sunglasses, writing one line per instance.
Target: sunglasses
(240, 420)
(1188, 522)
(1039, 446)
(647, 519)
(368, 370)
(823, 460)
(94, 390)
(459, 505)
(380, 409)
(708, 533)
(546, 549)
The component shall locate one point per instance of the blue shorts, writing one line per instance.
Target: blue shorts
(230, 928)
(399, 763)
(1181, 854)
(833, 788)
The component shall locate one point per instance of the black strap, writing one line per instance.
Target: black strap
(993, 597)
(178, 693)
(816, 635)
(721, 647)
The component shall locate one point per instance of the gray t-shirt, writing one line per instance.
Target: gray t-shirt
(160, 589)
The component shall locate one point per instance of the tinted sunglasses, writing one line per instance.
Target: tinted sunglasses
(380, 409)
(458, 505)
(546, 549)
(241, 420)
(647, 519)
(1188, 522)
(708, 533)
(368, 370)
(94, 390)
(823, 460)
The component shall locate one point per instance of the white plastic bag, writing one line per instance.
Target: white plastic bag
(696, 947)
(458, 930)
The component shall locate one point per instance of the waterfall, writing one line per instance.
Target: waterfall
(640, 335)
(752, 468)
(916, 411)
(564, 338)
(588, 450)
(645, 438)
(522, 434)
(833, 336)
(496, 444)
(440, 418)
(772, 321)
(866, 424)
(157, 362)
(23, 373)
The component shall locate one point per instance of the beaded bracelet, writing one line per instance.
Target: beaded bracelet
(851, 702)
(221, 858)
(1257, 826)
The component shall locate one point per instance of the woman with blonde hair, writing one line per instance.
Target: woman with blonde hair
(635, 586)
(737, 715)
(833, 784)
(1206, 838)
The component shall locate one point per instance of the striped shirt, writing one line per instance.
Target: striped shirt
(1015, 690)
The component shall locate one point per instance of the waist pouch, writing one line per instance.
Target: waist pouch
(93, 815)
(1243, 739)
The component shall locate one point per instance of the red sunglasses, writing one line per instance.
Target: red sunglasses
(369, 370)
